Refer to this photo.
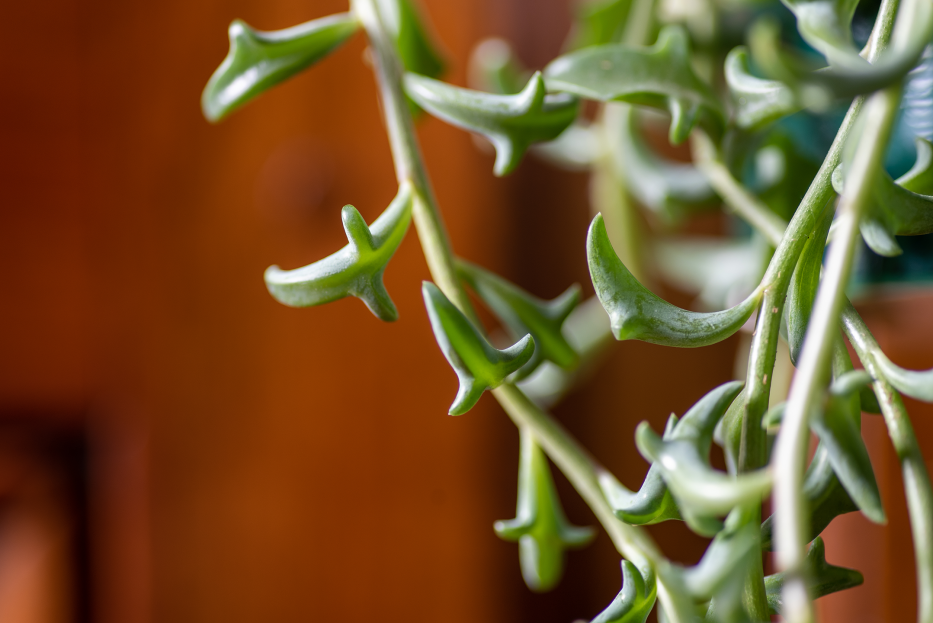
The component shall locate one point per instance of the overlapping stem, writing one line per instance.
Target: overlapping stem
(567, 454)
(916, 478)
(813, 369)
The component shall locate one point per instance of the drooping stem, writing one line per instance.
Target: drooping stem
(916, 478)
(812, 372)
(563, 449)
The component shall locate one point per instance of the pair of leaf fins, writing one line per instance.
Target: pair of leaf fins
(259, 60)
(540, 527)
(680, 483)
(536, 324)
(659, 76)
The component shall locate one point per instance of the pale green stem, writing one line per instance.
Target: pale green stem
(916, 478)
(734, 194)
(563, 449)
(790, 451)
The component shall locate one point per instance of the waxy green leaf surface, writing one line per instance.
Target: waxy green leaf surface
(659, 76)
(653, 503)
(597, 22)
(510, 122)
(826, 25)
(636, 313)
(540, 527)
(478, 365)
(259, 60)
(682, 458)
(355, 270)
(636, 599)
(525, 314)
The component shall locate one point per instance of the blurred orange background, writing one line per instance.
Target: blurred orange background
(177, 446)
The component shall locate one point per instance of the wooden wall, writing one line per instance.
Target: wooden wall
(250, 462)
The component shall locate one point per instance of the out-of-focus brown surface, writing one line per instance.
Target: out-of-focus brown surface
(249, 462)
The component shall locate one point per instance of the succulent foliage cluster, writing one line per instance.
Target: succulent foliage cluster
(676, 63)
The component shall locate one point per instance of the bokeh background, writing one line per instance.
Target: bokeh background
(176, 446)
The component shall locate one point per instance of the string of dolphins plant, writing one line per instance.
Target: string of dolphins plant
(728, 104)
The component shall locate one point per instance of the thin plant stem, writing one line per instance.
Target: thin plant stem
(790, 451)
(916, 478)
(564, 450)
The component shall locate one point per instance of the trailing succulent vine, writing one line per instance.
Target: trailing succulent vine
(729, 105)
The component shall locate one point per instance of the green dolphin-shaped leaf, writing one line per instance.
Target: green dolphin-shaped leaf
(510, 122)
(637, 313)
(540, 527)
(681, 458)
(653, 503)
(478, 365)
(355, 270)
(804, 284)
(636, 599)
(824, 578)
(524, 313)
(701, 492)
(896, 210)
(259, 60)
(758, 102)
(659, 76)
(914, 383)
(409, 31)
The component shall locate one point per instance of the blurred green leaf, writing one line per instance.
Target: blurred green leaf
(407, 27)
(596, 22)
(919, 179)
(638, 314)
(824, 578)
(847, 76)
(758, 102)
(636, 599)
(511, 122)
(672, 190)
(478, 365)
(653, 503)
(826, 25)
(495, 68)
(524, 313)
(259, 60)
(355, 270)
(837, 425)
(804, 284)
(914, 383)
(895, 211)
(540, 527)
(659, 76)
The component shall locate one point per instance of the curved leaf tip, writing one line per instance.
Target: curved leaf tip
(479, 365)
(637, 313)
(258, 60)
(355, 270)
